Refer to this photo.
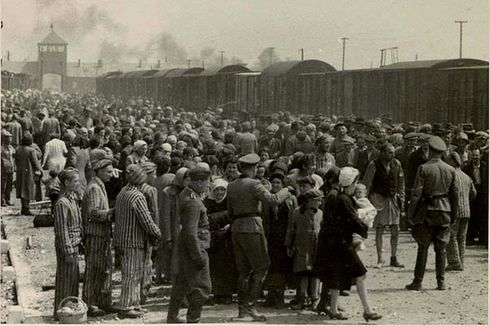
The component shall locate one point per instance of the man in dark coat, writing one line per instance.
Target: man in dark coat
(432, 210)
(193, 280)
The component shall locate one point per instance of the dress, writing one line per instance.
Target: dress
(337, 261)
(221, 259)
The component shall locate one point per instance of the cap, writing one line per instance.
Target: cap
(481, 134)
(426, 127)
(249, 159)
(339, 124)
(279, 166)
(148, 167)
(199, 173)
(272, 127)
(462, 136)
(135, 174)
(437, 144)
(313, 194)
(102, 164)
(412, 136)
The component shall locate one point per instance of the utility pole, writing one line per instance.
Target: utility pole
(382, 54)
(270, 55)
(302, 53)
(343, 50)
(460, 22)
(222, 57)
(203, 64)
(188, 63)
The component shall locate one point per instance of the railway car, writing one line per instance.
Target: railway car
(281, 88)
(217, 87)
(247, 91)
(179, 88)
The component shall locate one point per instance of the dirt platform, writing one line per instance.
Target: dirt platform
(465, 302)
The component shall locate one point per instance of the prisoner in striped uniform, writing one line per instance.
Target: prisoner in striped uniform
(134, 227)
(151, 196)
(466, 193)
(68, 231)
(97, 288)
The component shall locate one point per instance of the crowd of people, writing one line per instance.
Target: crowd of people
(221, 203)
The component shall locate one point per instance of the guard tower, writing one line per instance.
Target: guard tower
(52, 60)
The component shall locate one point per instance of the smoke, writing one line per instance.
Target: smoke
(165, 45)
(266, 57)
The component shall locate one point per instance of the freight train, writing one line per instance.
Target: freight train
(453, 90)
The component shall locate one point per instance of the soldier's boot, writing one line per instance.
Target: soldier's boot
(441, 269)
(173, 311)
(270, 300)
(254, 293)
(280, 304)
(242, 297)
(196, 301)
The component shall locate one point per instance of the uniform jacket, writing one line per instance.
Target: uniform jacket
(244, 199)
(95, 209)
(27, 163)
(434, 190)
(194, 236)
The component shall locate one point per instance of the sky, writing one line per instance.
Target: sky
(129, 30)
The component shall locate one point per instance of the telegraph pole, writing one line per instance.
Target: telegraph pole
(343, 50)
(222, 52)
(302, 54)
(270, 55)
(188, 63)
(460, 22)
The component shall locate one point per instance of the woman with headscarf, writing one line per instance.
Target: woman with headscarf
(221, 259)
(138, 156)
(67, 237)
(170, 222)
(28, 171)
(275, 220)
(340, 264)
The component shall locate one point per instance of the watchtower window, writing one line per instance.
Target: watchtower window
(52, 48)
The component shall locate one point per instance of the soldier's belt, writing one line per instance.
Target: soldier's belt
(246, 215)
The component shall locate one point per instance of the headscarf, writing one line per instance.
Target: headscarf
(138, 144)
(180, 175)
(135, 175)
(348, 175)
(218, 183)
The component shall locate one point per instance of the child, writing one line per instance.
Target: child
(52, 187)
(301, 243)
(366, 213)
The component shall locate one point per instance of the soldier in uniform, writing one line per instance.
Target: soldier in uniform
(249, 243)
(432, 209)
(193, 280)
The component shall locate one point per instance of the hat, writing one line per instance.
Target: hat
(148, 167)
(313, 194)
(481, 134)
(135, 175)
(462, 136)
(348, 175)
(411, 136)
(339, 124)
(199, 173)
(272, 127)
(249, 159)
(277, 175)
(279, 166)
(166, 147)
(437, 144)
(426, 128)
(102, 164)
(172, 140)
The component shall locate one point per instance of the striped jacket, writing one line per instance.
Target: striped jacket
(95, 209)
(466, 193)
(68, 230)
(151, 196)
(134, 225)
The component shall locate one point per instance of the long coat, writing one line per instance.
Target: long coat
(337, 261)
(27, 164)
(302, 236)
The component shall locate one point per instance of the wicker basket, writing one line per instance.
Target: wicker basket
(76, 317)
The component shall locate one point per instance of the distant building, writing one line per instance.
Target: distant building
(53, 71)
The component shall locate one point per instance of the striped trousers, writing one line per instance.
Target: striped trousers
(147, 272)
(457, 243)
(67, 279)
(97, 288)
(132, 270)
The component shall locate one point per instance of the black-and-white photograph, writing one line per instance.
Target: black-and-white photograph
(244, 161)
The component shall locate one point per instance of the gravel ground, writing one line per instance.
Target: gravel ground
(465, 302)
